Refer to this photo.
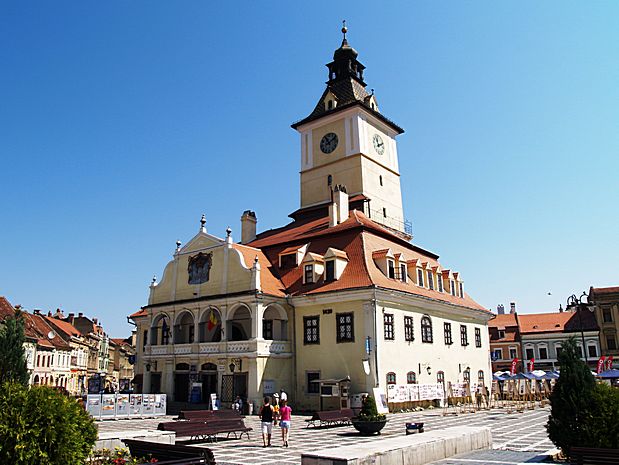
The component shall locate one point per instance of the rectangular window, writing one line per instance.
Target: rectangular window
(497, 354)
(312, 387)
(267, 329)
(543, 353)
(464, 336)
(329, 270)
(558, 350)
(144, 340)
(611, 342)
(311, 330)
(477, 337)
(461, 291)
(529, 353)
(288, 261)
(593, 352)
(345, 327)
(447, 331)
(409, 328)
(439, 281)
(453, 288)
(513, 353)
(388, 326)
(430, 281)
(501, 334)
(420, 277)
(607, 315)
(309, 274)
(403, 272)
(391, 268)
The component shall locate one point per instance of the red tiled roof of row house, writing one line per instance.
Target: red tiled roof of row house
(556, 322)
(503, 321)
(7, 310)
(359, 237)
(605, 290)
(44, 330)
(64, 326)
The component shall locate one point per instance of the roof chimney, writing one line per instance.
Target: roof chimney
(95, 321)
(71, 315)
(36, 311)
(248, 226)
(80, 314)
(500, 309)
(338, 210)
(512, 307)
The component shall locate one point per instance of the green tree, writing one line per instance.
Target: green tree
(39, 425)
(369, 412)
(572, 401)
(12, 357)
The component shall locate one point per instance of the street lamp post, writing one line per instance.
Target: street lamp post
(579, 305)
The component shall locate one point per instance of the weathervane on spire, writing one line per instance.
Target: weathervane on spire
(344, 29)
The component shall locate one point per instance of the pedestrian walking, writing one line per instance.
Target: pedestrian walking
(266, 419)
(285, 415)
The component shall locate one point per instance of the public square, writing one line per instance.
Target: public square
(517, 437)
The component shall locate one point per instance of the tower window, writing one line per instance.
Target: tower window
(309, 274)
(330, 105)
(380, 179)
(384, 212)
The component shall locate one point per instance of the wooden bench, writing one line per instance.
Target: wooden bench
(170, 453)
(204, 415)
(591, 456)
(331, 418)
(208, 430)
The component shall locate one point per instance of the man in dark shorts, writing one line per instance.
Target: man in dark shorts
(266, 418)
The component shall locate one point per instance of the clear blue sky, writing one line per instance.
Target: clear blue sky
(122, 122)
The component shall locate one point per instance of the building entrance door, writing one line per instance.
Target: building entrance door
(209, 385)
(181, 387)
(240, 385)
(155, 383)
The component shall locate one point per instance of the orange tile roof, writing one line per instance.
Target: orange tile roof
(505, 320)
(63, 326)
(556, 322)
(269, 283)
(139, 313)
(605, 290)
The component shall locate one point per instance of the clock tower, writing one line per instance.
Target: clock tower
(347, 141)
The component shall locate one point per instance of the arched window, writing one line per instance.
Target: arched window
(480, 377)
(426, 329)
(391, 377)
(182, 367)
(467, 375)
(329, 180)
(440, 377)
(411, 377)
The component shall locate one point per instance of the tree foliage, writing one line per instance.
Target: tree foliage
(12, 358)
(369, 412)
(583, 413)
(39, 425)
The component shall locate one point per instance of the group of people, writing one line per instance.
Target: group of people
(272, 413)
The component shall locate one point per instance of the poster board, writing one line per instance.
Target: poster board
(135, 405)
(213, 401)
(122, 405)
(93, 405)
(108, 406)
(160, 404)
(381, 400)
(148, 404)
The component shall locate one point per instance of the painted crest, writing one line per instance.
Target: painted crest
(199, 268)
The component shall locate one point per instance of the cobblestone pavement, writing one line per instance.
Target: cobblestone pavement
(517, 437)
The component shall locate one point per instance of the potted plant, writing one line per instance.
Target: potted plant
(369, 421)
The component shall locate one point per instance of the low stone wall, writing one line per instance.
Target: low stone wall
(414, 449)
(113, 439)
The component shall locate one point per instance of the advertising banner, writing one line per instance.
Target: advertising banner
(514, 363)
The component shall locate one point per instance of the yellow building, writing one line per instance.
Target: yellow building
(340, 292)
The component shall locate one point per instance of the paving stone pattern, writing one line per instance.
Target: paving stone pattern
(516, 436)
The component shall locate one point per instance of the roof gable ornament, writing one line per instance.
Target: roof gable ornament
(203, 223)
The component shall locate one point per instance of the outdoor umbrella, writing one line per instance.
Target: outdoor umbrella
(609, 374)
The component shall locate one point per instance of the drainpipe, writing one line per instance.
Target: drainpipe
(376, 383)
(294, 347)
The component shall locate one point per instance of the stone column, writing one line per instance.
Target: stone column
(168, 379)
(146, 382)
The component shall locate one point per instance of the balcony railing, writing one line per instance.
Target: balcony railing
(265, 347)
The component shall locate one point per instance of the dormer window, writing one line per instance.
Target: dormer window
(335, 263)
(453, 287)
(501, 334)
(403, 275)
(461, 291)
(439, 281)
(391, 268)
(308, 277)
(420, 277)
(430, 281)
(313, 267)
(329, 270)
(330, 105)
(291, 256)
(288, 260)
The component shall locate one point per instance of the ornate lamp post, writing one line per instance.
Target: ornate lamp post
(578, 305)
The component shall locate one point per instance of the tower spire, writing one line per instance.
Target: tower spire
(344, 29)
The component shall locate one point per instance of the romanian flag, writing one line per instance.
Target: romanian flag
(212, 321)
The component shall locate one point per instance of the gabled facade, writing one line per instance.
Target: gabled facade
(341, 291)
(505, 342)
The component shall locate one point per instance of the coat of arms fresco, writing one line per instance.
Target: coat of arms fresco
(199, 268)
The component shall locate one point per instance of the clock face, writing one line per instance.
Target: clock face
(328, 143)
(379, 145)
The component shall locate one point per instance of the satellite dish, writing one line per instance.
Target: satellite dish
(51, 335)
